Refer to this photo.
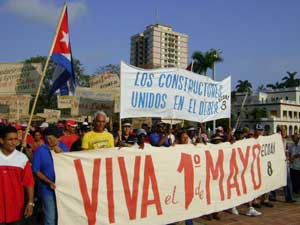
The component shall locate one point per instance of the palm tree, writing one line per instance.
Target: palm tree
(205, 60)
(277, 85)
(261, 88)
(243, 86)
(290, 81)
(258, 114)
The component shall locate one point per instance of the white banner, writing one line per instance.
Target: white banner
(164, 185)
(173, 93)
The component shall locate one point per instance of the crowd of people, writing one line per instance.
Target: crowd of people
(27, 168)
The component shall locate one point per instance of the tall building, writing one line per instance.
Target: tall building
(159, 46)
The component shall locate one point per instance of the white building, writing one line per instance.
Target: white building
(281, 107)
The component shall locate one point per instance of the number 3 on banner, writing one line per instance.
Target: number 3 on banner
(223, 106)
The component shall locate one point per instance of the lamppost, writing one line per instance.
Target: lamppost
(216, 54)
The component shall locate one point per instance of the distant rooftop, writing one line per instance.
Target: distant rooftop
(279, 90)
(158, 25)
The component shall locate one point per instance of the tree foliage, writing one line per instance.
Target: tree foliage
(44, 101)
(205, 60)
(261, 88)
(244, 86)
(287, 81)
(290, 80)
(258, 114)
(110, 68)
(277, 85)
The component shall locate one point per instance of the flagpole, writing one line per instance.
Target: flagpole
(192, 65)
(120, 120)
(43, 75)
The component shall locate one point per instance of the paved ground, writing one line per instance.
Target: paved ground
(282, 214)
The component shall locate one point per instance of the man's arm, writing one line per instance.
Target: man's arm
(85, 142)
(29, 207)
(45, 179)
(162, 140)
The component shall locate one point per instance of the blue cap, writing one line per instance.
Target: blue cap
(258, 126)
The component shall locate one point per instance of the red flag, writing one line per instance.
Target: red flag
(190, 66)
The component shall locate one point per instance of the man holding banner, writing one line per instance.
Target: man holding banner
(42, 166)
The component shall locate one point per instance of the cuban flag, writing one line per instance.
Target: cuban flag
(63, 76)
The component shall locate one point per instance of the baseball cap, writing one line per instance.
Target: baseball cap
(219, 128)
(245, 130)
(71, 123)
(18, 127)
(160, 123)
(141, 131)
(126, 125)
(44, 125)
(258, 126)
(24, 124)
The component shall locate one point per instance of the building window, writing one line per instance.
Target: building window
(285, 114)
(274, 113)
(286, 98)
(290, 114)
(290, 130)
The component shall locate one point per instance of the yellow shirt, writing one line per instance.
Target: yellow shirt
(96, 140)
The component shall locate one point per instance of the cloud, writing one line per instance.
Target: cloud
(42, 11)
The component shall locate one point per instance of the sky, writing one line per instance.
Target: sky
(259, 39)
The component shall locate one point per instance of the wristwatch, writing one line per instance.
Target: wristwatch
(31, 204)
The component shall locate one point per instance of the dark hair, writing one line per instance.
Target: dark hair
(85, 128)
(6, 130)
(36, 131)
(52, 130)
(181, 132)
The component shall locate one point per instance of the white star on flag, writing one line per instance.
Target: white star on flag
(65, 38)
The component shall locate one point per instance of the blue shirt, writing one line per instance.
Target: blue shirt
(154, 139)
(43, 162)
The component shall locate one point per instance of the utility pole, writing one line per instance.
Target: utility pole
(214, 78)
(216, 55)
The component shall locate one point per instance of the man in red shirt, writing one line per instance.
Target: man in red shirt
(16, 175)
(70, 135)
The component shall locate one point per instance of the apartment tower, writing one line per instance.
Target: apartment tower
(159, 46)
